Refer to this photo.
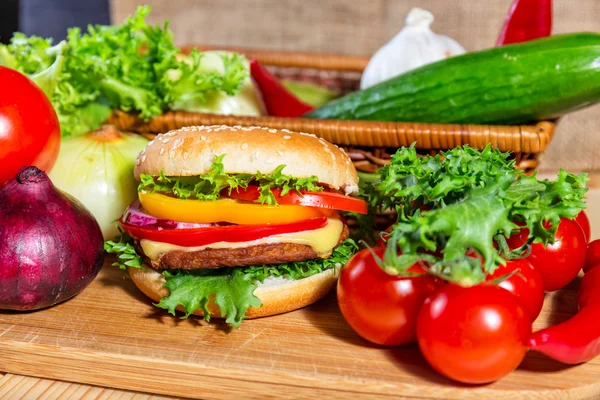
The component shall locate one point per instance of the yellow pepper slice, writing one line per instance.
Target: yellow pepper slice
(225, 210)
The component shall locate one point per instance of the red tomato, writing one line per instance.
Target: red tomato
(380, 307)
(227, 233)
(334, 201)
(559, 262)
(592, 255)
(526, 283)
(475, 334)
(29, 129)
(584, 222)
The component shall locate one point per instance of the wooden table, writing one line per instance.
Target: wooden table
(25, 387)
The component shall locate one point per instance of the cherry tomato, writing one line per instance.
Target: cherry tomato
(584, 222)
(473, 334)
(330, 200)
(559, 262)
(592, 255)
(380, 307)
(29, 129)
(525, 282)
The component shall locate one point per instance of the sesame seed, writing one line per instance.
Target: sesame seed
(143, 158)
(185, 155)
(162, 150)
(244, 146)
(137, 162)
(172, 154)
(270, 160)
(203, 137)
(254, 156)
(287, 137)
(151, 143)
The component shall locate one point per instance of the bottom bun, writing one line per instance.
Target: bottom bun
(277, 295)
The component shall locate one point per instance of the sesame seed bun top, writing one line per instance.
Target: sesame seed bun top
(190, 151)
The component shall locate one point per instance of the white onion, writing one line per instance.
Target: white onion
(97, 169)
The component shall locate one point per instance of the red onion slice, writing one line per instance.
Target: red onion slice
(134, 215)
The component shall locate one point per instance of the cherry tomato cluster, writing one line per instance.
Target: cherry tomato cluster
(474, 334)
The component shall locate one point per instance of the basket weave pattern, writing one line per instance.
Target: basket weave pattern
(368, 143)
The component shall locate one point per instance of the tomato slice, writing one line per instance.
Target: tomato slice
(229, 233)
(330, 200)
(225, 210)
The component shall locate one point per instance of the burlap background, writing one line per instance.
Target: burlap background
(361, 26)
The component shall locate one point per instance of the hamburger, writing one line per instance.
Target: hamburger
(238, 222)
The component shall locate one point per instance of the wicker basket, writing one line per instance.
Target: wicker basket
(368, 143)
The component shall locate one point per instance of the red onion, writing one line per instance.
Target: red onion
(134, 215)
(50, 244)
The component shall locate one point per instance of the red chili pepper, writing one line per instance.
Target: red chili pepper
(279, 101)
(576, 340)
(526, 20)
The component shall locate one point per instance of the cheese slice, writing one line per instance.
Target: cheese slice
(321, 240)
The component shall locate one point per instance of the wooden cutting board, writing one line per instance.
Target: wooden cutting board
(110, 335)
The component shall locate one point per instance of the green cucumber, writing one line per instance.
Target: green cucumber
(516, 84)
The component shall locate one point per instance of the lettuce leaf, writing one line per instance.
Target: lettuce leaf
(233, 288)
(233, 293)
(134, 67)
(210, 185)
(472, 197)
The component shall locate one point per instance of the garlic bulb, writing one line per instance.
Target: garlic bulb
(414, 46)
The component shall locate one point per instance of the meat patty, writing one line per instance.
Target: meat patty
(254, 255)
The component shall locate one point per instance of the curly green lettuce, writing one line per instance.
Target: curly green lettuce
(232, 288)
(210, 185)
(468, 199)
(134, 67)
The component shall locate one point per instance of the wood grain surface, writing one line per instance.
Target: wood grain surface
(13, 387)
(110, 335)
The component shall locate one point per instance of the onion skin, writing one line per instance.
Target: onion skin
(97, 169)
(51, 247)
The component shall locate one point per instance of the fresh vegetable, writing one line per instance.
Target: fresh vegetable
(237, 95)
(380, 307)
(310, 93)
(232, 287)
(29, 131)
(473, 335)
(97, 169)
(576, 340)
(474, 198)
(555, 75)
(226, 210)
(584, 222)
(592, 255)
(133, 67)
(526, 20)
(559, 262)
(329, 200)
(211, 185)
(219, 233)
(278, 100)
(521, 279)
(414, 46)
(134, 215)
(50, 245)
